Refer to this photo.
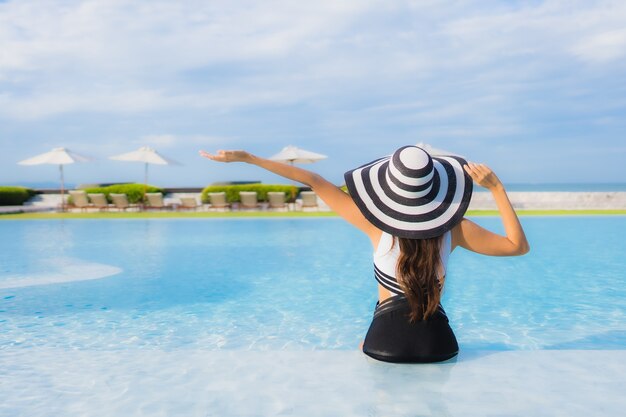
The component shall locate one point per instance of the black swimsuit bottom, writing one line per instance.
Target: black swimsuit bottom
(392, 338)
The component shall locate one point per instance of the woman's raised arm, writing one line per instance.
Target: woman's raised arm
(471, 236)
(333, 196)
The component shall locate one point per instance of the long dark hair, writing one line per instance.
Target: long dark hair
(418, 275)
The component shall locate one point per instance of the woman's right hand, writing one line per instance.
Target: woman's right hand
(482, 175)
(227, 156)
(477, 239)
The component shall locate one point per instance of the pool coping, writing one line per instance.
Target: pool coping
(139, 382)
(268, 214)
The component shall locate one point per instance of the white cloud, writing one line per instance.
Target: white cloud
(552, 30)
(118, 101)
(117, 56)
(128, 36)
(158, 140)
(602, 47)
(170, 141)
(43, 104)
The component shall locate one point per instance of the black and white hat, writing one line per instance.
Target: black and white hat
(412, 194)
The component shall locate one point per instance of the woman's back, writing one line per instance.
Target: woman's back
(386, 258)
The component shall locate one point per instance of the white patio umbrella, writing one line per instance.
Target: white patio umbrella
(147, 155)
(435, 151)
(60, 157)
(293, 154)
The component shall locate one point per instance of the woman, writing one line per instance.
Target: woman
(411, 206)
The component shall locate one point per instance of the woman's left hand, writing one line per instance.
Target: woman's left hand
(227, 156)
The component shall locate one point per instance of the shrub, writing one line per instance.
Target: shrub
(232, 191)
(134, 192)
(15, 196)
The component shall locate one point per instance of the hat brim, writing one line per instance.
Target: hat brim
(395, 212)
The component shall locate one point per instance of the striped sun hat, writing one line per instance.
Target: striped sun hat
(412, 194)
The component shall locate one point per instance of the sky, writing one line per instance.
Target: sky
(534, 89)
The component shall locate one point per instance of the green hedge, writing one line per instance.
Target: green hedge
(232, 191)
(134, 192)
(15, 196)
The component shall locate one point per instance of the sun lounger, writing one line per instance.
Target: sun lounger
(155, 201)
(79, 199)
(218, 201)
(99, 201)
(309, 200)
(276, 200)
(188, 203)
(248, 200)
(120, 201)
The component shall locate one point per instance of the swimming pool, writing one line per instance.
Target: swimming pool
(247, 292)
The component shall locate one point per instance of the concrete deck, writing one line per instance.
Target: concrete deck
(545, 200)
(554, 200)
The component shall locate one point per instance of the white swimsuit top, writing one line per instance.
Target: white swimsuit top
(386, 261)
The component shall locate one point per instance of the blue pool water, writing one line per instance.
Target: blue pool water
(293, 284)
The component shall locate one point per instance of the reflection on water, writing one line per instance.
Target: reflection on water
(59, 270)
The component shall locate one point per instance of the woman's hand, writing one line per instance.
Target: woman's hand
(482, 175)
(227, 156)
(477, 239)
